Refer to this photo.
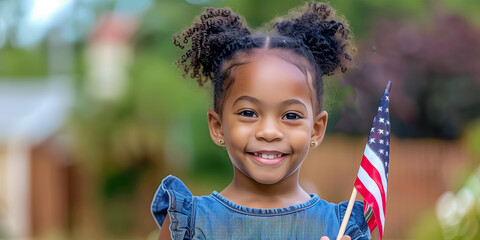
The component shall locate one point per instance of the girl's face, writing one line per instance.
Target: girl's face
(268, 119)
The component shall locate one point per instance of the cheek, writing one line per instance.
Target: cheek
(237, 134)
(300, 138)
(301, 131)
(301, 135)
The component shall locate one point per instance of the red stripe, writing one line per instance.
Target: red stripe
(375, 175)
(371, 223)
(370, 199)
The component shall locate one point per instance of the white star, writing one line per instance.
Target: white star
(372, 130)
(386, 153)
(386, 98)
(387, 143)
(372, 140)
(380, 151)
(379, 109)
(387, 132)
(386, 163)
(388, 122)
(380, 141)
(380, 131)
(382, 120)
(386, 110)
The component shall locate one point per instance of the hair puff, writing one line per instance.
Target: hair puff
(327, 39)
(214, 37)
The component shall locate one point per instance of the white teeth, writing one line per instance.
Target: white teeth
(268, 156)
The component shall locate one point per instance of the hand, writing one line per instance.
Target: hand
(345, 237)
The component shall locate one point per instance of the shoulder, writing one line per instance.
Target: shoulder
(357, 227)
(173, 198)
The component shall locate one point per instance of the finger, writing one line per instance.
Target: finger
(346, 237)
(324, 238)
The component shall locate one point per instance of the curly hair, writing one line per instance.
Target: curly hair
(220, 39)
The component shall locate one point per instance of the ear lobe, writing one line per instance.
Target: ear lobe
(319, 127)
(215, 127)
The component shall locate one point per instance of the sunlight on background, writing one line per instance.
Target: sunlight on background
(94, 114)
(41, 16)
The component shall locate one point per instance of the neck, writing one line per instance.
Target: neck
(247, 192)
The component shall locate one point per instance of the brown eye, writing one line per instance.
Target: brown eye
(291, 116)
(248, 113)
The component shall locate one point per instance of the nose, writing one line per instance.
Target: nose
(269, 130)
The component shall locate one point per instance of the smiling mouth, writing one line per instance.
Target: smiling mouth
(268, 158)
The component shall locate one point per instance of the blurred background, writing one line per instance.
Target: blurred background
(94, 114)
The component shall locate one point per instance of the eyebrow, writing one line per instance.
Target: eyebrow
(287, 102)
(293, 102)
(246, 98)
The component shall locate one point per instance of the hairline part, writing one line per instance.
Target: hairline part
(246, 56)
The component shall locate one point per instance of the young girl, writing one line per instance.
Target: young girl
(267, 114)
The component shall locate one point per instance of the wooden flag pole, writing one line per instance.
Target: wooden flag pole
(347, 214)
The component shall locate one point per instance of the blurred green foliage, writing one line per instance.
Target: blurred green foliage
(472, 140)
(23, 63)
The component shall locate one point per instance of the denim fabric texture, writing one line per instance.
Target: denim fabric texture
(215, 217)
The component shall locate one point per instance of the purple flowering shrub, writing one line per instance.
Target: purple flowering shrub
(435, 74)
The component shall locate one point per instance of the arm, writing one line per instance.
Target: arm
(165, 230)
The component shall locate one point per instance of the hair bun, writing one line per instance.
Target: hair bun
(213, 38)
(326, 38)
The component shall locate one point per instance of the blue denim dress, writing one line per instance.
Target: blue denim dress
(215, 217)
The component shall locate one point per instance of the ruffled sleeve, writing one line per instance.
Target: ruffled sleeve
(357, 227)
(173, 198)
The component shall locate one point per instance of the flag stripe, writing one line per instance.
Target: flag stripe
(370, 219)
(377, 163)
(368, 212)
(375, 175)
(361, 189)
(373, 191)
(372, 224)
(370, 199)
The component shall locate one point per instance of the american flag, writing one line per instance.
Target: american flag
(372, 177)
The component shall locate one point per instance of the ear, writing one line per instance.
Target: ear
(319, 127)
(215, 127)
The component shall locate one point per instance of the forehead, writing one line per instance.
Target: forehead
(271, 78)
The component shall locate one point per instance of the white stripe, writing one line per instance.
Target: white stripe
(378, 164)
(372, 187)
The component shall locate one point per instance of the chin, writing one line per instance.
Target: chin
(267, 180)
